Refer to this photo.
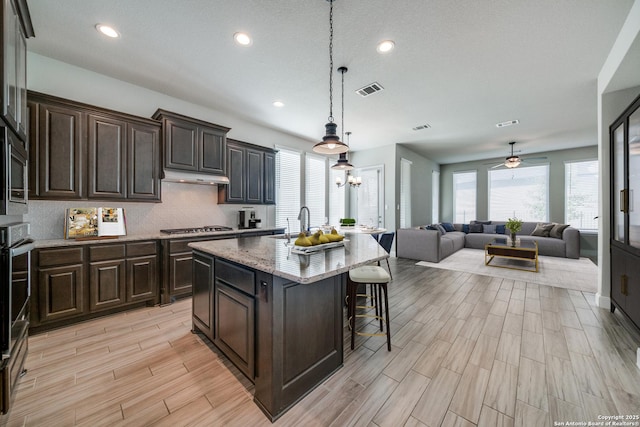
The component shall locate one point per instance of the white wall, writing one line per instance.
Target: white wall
(183, 205)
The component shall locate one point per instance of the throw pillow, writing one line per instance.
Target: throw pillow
(489, 229)
(475, 228)
(542, 230)
(557, 230)
(501, 229)
(481, 222)
(440, 228)
(448, 226)
(465, 228)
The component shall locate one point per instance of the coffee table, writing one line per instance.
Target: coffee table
(524, 250)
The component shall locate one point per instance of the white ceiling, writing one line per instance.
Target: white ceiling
(459, 65)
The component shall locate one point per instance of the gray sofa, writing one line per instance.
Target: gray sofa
(432, 246)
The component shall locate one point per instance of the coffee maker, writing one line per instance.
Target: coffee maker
(246, 218)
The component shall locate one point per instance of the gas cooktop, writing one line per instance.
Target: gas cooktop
(205, 229)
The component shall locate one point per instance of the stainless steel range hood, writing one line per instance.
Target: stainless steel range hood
(193, 178)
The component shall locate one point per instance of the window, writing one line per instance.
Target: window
(464, 196)
(581, 194)
(435, 195)
(521, 193)
(405, 193)
(316, 188)
(336, 196)
(287, 188)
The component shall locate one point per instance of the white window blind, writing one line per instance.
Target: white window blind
(369, 197)
(581, 194)
(336, 196)
(405, 193)
(315, 188)
(464, 196)
(287, 188)
(522, 192)
(435, 195)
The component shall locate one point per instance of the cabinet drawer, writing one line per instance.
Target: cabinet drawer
(141, 249)
(106, 252)
(49, 257)
(179, 246)
(235, 276)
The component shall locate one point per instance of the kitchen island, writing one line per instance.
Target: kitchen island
(277, 315)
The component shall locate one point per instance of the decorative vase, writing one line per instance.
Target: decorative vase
(513, 239)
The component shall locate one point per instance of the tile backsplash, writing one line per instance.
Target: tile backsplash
(183, 205)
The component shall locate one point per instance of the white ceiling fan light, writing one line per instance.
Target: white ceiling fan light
(513, 161)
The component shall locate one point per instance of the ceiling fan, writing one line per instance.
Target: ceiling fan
(514, 161)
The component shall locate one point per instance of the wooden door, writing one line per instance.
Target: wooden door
(181, 145)
(236, 189)
(143, 162)
(202, 300)
(106, 284)
(61, 145)
(180, 273)
(254, 173)
(141, 278)
(212, 151)
(107, 157)
(269, 179)
(61, 292)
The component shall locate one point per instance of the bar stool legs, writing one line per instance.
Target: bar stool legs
(378, 279)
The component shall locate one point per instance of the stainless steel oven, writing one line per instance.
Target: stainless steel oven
(15, 292)
(14, 174)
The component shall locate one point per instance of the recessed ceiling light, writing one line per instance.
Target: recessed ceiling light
(385, 46)
(242, 38)
(507, 123)
(278, 104)
(108, 31)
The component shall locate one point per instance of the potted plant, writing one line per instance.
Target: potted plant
(513, 225)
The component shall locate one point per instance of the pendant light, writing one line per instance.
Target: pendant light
(330, 143)
(343, 162)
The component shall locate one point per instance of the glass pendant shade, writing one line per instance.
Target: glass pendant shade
(342, 163)
(512, 162)
(330, 143)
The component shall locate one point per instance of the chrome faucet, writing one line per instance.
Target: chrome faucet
(304, 222)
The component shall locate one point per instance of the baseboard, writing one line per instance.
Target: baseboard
(603, 302)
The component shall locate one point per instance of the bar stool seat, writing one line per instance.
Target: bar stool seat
(378, 278)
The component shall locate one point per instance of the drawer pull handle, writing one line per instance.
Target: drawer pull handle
(623, 285)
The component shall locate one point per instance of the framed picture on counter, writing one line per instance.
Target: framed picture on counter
(94, 223)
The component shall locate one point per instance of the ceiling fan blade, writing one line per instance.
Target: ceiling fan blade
(497, 166)
(534, 158)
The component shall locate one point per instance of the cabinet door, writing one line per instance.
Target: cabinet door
(618, 273)
(107, 157)
(633, 289)
(106, 284)
(633, 173)
(9, 65)
(60, 156)
(21, 79)
(236, 172)
(181, 145)
(180, 273)
(141, 278)
(143, 162)
(269, 179)
(255, 172)
(235, 326)
(60, 292)
(212, 151)
(202, 300)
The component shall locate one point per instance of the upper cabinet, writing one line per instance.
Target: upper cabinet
(16, 28)
(252, 174)
(79, 151)
(192, 145)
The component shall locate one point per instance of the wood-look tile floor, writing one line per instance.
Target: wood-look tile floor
(467, 350)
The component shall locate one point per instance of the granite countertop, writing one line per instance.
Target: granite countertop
(272, 255)
(52, 243)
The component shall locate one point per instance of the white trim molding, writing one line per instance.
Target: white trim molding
(603, 301)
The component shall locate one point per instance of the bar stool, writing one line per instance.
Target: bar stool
(378, 278)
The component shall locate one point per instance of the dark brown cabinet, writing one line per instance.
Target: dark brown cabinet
(191, 144)
(61, 284)
(16, 28)
(203, 294)
(78, 151)
(625, 212)
(79, 282)
(252, 174)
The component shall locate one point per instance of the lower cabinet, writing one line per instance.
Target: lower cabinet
(73, 283)
(203, 290)
(625, 283)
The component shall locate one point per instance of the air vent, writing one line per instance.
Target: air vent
(369, 89)
(421, 127)
(509, 123)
